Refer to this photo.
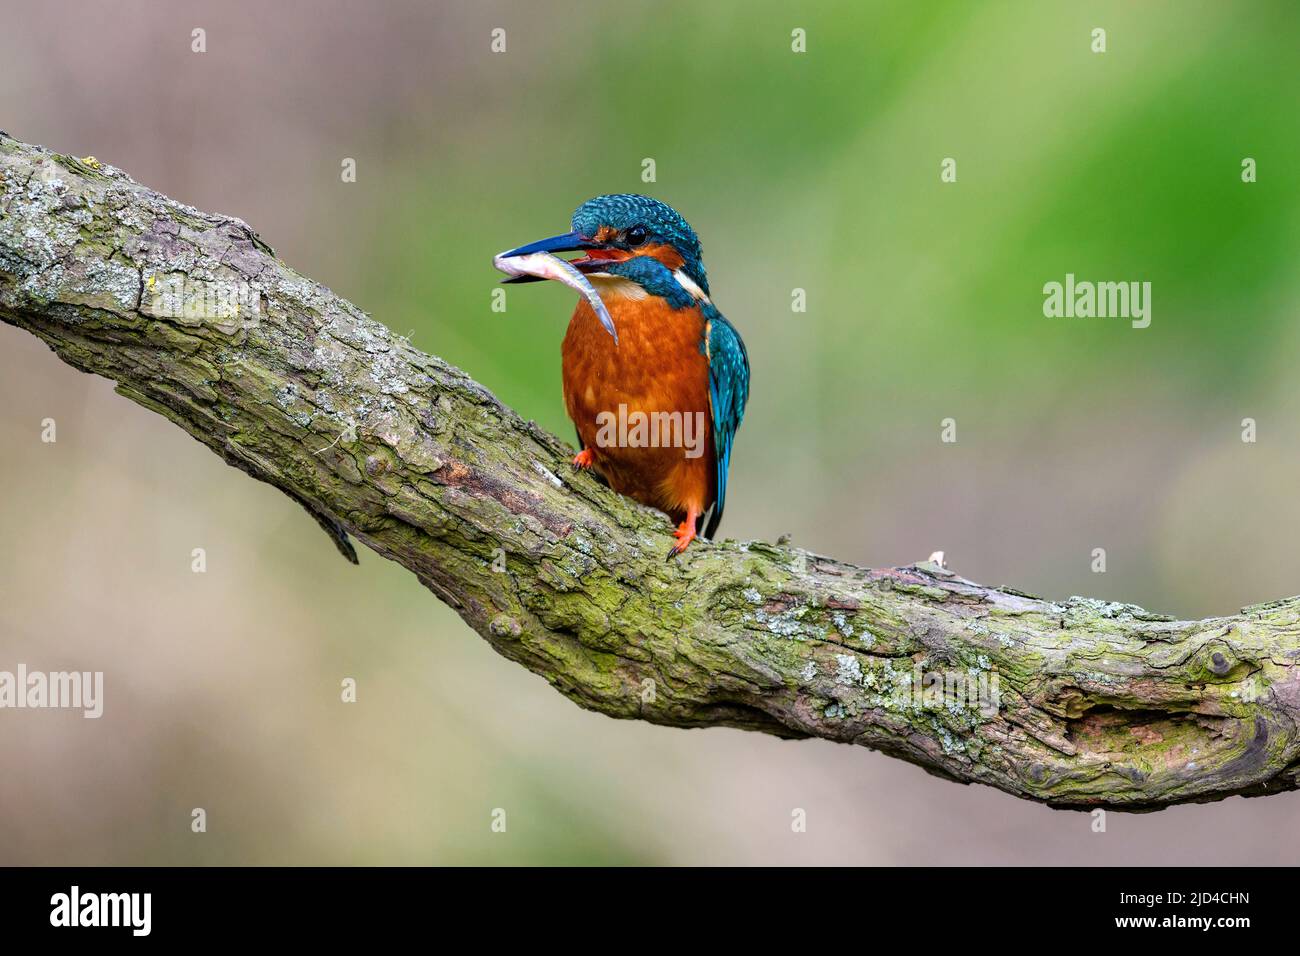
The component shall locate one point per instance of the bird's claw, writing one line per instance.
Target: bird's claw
(685, 534)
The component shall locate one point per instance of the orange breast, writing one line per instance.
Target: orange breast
(655, 376)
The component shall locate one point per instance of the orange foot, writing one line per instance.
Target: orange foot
(684, 534)
(583, 459)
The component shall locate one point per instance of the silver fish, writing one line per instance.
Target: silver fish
(543, 265)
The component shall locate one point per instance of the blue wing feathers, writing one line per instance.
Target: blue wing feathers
(728, 392)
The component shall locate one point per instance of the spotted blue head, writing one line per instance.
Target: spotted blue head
(628, 224)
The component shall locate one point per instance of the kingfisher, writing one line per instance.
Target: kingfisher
(655, 379)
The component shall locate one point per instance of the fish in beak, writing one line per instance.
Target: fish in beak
(537, 261)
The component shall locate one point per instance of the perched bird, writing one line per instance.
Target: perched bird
(655, 379)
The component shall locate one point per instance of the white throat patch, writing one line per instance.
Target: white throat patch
(616, 287)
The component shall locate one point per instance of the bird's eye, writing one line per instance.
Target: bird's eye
(636, 235)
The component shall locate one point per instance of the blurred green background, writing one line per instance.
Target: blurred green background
(817, 171)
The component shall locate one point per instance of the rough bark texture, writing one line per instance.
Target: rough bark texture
(1097, 703)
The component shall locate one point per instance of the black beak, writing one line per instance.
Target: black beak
(567, 242)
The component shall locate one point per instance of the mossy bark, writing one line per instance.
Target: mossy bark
(1095, 704)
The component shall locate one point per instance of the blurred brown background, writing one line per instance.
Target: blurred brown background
(817, 171)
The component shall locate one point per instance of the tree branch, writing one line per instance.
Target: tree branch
(1076, 704)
